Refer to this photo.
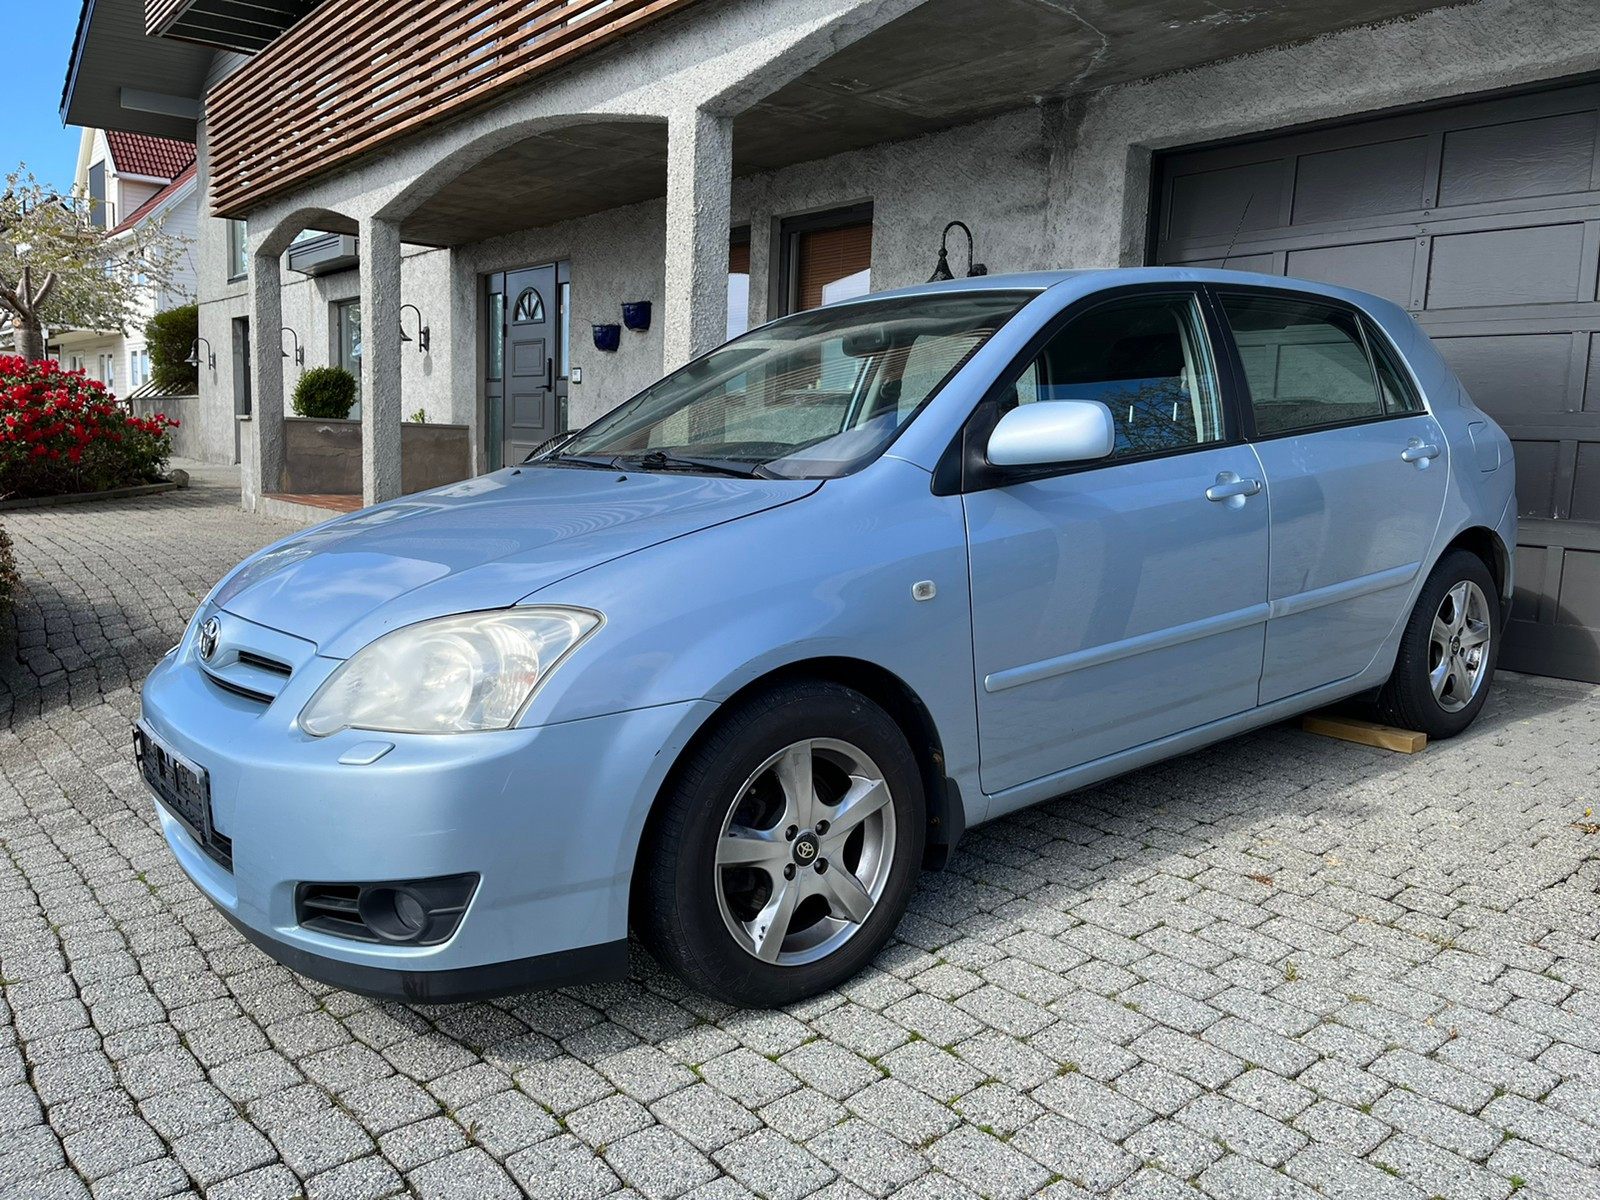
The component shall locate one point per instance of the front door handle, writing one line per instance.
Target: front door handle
(1230, 487)
(1419, 453)
(549, 374)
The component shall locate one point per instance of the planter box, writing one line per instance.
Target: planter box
(323, 457)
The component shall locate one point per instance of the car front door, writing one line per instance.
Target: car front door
(1356, 472)
(1117, 602)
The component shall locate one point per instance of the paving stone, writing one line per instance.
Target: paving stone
(1076, 1153)
(773, 1166)
(903, 1111)
(705, 1117)
(465, 1175)
(984, 1163)
(219, 1151)
(1344, 1128)
(562, 1168)
(1242, 1130)
(1343, 1176)
(659, 1163)
(1232, 1176)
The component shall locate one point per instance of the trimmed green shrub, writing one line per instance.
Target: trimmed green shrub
(170, 337)
(325, 392)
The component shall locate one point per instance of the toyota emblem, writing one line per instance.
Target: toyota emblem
(210, 632)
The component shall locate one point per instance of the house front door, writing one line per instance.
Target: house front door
(531, 413)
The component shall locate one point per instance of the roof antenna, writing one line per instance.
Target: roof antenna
(1251, 199)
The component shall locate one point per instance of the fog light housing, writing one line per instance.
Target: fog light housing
(406, 912)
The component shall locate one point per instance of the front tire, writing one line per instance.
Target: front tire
(1448, 650)
(786, 849)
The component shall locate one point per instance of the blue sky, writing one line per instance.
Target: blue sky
(31, 130)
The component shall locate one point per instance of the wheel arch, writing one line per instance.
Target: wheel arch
(1485, 543)
(946, 814)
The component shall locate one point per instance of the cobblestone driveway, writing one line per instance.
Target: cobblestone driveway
(1284, 967)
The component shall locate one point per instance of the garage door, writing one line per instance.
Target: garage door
(1483, 220)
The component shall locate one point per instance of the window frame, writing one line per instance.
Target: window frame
(786, 287)
(965, 466)
(1365, 324)
(238, 250)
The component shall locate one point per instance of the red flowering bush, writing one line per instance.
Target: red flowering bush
(63, 433)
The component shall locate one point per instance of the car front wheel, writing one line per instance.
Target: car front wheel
(1448, 651)
(786, 849)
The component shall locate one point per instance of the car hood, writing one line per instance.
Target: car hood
(483, 543)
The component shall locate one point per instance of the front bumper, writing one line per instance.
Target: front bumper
(550, 818)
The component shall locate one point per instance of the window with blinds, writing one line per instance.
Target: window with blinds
(827, 257)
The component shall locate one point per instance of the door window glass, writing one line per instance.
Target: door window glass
(1145, 359)
(495, 325)
(1306, 363)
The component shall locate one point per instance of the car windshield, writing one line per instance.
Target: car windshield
(815, 395)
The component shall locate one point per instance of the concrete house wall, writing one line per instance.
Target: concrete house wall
(1064, 183)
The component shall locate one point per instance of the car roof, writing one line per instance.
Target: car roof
(1099, 277)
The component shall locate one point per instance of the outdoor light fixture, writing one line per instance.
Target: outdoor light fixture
(941, 273)
(194, 355)
(299, 354)
(422, 330)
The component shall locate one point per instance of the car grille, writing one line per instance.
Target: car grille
(252, 661)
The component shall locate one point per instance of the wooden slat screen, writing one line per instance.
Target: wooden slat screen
(356, 75)
(159, 13)
(827, 255)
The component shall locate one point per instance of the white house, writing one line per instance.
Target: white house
(132, 180)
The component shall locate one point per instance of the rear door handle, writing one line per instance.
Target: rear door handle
(1229, 486)
(1417, 452)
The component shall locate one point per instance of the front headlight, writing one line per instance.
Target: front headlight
(456, 674)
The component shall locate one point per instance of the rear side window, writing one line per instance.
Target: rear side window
(1399, 394)
(1306, 363)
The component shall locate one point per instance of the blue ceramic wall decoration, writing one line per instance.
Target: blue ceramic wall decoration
(607, 337)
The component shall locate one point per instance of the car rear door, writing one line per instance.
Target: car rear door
(1121, 601)
(1356, 471)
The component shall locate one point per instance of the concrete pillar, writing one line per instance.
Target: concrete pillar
(699, 195)
(263, 471)
(380, 360)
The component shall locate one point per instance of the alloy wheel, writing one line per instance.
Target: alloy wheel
(1458, 646)
(805, 852)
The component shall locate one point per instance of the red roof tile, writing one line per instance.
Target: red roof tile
(144, 209)
(156, 157)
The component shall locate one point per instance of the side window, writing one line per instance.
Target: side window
(1399, 393)
(1306, 363)
(1145, 359)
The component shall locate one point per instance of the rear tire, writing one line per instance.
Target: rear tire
(786, 849)
(1448, 650)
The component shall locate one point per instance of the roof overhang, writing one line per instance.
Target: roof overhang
(118, 77)
(246, 26)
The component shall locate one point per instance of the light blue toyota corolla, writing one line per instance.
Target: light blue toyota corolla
(735, 662)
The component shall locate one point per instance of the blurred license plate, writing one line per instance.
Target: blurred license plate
(183, 788)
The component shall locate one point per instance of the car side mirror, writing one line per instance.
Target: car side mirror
(1052, 431)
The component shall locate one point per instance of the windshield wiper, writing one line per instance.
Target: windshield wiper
(578, 460)
(660, 460)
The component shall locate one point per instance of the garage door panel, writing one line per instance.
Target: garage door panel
(1361, 181)
(1586, 482)
(1382, 268)
(1503, 272)
(1216, 203)
(1538, 468)
(1580, 589)
(1542, 265)
(1264, 263)
(1547, 156)
(1513, 375)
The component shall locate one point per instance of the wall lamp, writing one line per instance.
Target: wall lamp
(941, 273)
(422, 330)
(299, 353)
(194, 355)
